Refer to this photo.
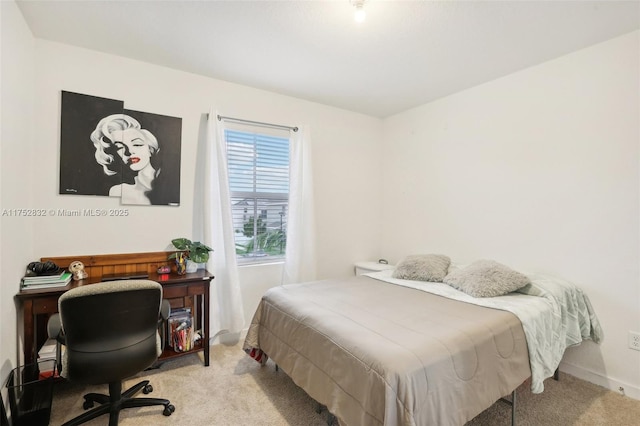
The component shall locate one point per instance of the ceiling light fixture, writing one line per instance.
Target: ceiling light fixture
(360, 13)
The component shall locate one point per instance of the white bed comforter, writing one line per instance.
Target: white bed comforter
(555, 314)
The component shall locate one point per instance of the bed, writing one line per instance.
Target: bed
(376, 350)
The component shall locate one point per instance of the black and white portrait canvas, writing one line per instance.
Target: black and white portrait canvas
(106, 149)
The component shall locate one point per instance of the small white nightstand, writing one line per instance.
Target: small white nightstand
(366, 267)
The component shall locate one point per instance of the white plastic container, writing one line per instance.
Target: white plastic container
(366, 267)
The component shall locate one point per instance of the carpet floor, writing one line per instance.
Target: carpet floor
(236, 391)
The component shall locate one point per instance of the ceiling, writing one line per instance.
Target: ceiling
(405, 54)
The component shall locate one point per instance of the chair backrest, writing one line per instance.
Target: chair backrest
(110, 329)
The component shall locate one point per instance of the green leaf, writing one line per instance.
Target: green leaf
(195, 251)
(181, 243)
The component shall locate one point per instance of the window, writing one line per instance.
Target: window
(258, 165)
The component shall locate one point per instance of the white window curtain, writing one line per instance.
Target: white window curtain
(300, 256)
(213, 226)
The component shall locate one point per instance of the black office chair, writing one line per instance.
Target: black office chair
(110, 332)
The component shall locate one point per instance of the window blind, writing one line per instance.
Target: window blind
(259, 184)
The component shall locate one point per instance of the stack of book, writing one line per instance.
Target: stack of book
(59, 279)
(47, 358)
(48, 351)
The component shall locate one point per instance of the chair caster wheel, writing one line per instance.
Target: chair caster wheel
(87, 404)
(168, 410)
(147, 389)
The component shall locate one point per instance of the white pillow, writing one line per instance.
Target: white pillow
(486, 278)
(423, 267)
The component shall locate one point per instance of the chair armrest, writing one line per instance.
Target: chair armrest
(54, 330)
(54, 327)
(165, 310)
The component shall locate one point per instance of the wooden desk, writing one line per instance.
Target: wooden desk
(181, 290)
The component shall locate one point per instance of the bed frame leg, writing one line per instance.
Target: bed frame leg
(556, 374)
(512, 403)
(277, 367)
(513, 408)
(331, 419)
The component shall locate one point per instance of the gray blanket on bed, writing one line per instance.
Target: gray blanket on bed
(376, 353)
(555, 314)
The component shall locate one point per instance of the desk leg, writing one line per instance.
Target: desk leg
(206, 324)
(29, 332)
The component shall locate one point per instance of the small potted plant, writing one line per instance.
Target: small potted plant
(189, 254)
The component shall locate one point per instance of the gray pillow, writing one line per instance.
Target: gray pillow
(423, 267)
(486, 278)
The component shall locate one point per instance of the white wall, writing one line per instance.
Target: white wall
(538, 170)
(33, 74)
(342, 142)
(339, 138)
(16, 183)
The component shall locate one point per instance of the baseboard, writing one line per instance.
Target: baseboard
(614, 385)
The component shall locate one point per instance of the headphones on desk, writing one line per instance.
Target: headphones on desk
(42, 268)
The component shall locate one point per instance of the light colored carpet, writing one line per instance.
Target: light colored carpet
(236, 391)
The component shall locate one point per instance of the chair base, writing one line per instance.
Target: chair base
(118, 400)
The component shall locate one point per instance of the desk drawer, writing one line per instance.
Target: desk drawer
(176, 303)
(45, 305)
(170, 292)
(196, 289)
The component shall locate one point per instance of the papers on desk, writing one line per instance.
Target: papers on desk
(45, 281)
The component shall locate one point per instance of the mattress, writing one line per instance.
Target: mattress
(376, 353)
